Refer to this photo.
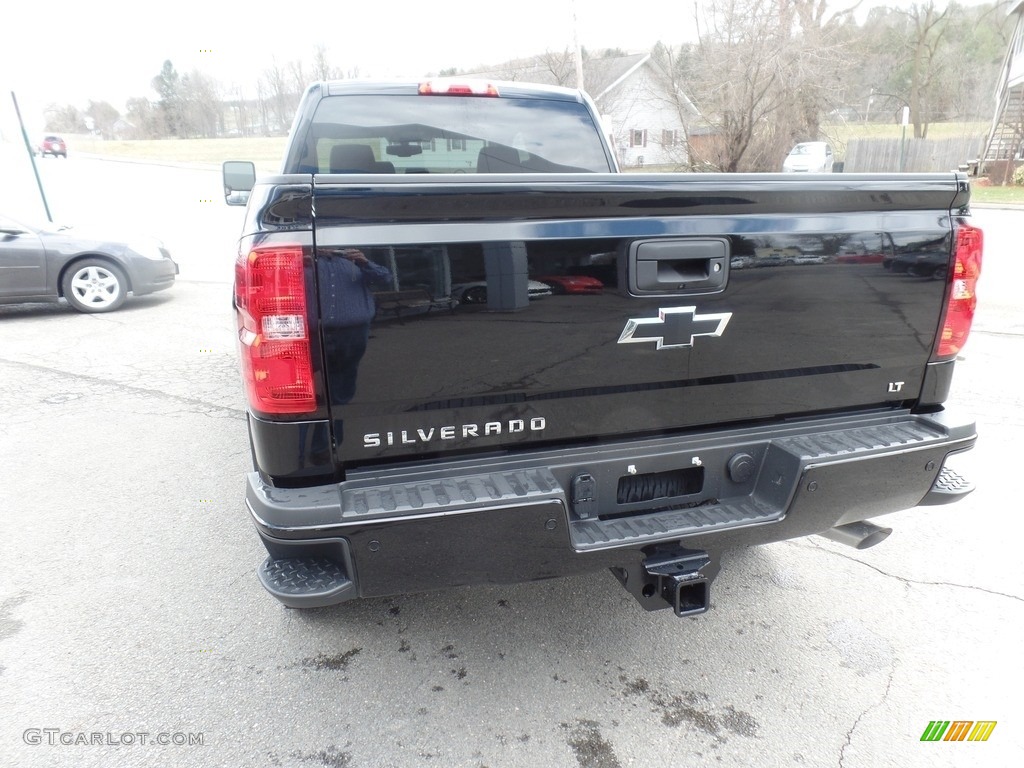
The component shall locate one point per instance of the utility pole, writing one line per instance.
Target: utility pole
(576, 45)
(31, 156)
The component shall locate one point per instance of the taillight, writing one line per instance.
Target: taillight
(956, 323)
(457, 88)
(274, 343)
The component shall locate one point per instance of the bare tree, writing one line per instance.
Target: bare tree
(263, 105)
(560, 65)
(322, 69)
(103, 116)
(928, 26)
(144, 119)
(280, 97)
(762, 75)
(818, 58)
(939, 63)
(299, 80)
(202, 107)
(740, 43)
(64, 119)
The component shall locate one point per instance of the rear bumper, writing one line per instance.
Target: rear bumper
(552, 513)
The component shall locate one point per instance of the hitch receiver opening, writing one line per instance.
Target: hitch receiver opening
(687, 593)
(680, 581)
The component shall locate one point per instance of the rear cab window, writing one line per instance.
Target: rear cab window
(409, 133)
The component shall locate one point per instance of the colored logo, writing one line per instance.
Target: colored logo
(958, 730)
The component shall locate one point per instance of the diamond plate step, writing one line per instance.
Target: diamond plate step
(948, 487)
(305, 583)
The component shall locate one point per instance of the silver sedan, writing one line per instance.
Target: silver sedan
(92, 272)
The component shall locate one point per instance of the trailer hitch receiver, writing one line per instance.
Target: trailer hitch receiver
(681, 581)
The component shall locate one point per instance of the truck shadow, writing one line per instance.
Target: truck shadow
(572, 622)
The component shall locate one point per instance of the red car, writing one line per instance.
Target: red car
(866, 248)
(860, 258)
(561, 284)
(53, 145)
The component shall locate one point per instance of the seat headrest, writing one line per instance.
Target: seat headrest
(352, 158)
(499, 159)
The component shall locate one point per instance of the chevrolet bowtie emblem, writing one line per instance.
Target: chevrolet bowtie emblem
(673, 328)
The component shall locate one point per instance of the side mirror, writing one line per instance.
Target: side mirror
(239, 179)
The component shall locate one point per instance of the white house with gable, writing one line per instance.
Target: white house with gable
(646, 121)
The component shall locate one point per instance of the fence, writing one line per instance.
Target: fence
(921, 155)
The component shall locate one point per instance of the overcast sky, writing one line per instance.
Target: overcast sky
(71, 51)
(59, 51)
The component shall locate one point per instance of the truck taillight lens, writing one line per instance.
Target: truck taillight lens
(956, 324)
(274, 343)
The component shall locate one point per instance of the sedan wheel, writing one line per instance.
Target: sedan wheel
(95, 286)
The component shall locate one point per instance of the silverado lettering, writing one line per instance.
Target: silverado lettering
(410, 437)
(435, 265)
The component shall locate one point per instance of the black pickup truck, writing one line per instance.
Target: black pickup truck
(474, 352)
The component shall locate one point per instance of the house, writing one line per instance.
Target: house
(1006, 139)
(645, 117)
(122, 129)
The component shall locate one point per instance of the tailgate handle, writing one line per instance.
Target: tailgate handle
(678, 267)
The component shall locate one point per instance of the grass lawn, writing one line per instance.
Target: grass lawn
(997, 195)
(265, 152)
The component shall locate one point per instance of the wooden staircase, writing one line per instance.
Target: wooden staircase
(1008, 125)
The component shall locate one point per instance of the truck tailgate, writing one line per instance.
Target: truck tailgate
(561, 310)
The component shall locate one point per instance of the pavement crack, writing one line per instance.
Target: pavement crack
(247, 573)
(1008, 334)
(192, 402)
(909, 581)
(877, 705)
